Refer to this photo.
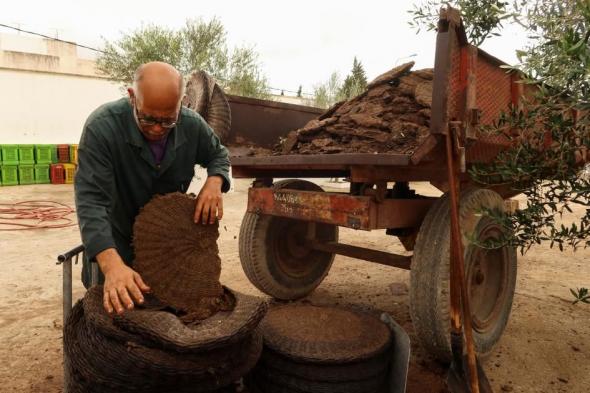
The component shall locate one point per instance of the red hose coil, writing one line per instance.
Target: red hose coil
(28, 215)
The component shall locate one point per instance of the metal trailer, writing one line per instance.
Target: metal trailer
(278, 117)
(289, 234)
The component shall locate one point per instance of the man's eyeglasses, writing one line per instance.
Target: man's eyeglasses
(150, 121)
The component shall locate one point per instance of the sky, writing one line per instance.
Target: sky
(299, 42)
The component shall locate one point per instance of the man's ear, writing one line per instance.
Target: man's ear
(131, 92)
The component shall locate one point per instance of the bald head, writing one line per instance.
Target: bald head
(158, 86)
(156, 99)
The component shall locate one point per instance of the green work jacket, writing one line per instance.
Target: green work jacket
(117, 173)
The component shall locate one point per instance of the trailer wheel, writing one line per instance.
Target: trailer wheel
(274, 256)
(491, 275)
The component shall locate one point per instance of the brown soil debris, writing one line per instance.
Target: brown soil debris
(391, 116)
(242, 147)
(423, 93)
(391, 74)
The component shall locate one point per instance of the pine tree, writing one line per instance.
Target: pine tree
(358, 73)
(355, 83)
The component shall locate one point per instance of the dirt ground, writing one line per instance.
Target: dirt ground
(546, 347)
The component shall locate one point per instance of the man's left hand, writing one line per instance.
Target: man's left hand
(210, 202)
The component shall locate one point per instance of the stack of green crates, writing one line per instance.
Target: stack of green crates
(26, 154)
(42, 174)
(45, 154)
(27, 164)
(26, 174)
(9, 175)
(9, 154)
(9, 167)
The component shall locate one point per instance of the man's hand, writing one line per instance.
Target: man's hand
(209, 201)
(123, 286)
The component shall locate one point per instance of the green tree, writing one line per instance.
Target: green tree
(243, 75)
(204, 47)
(550, 141)
(198, 45)
(120, 59)
(355, 83)
(299, 91)
(333, 90)
(327, 93)
(482, 18)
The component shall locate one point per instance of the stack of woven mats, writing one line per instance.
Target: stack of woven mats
(191, 335)
(322, 349)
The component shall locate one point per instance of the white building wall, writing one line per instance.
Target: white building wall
(37, 107)
(48, 89)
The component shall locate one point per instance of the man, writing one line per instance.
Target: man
(130, 150)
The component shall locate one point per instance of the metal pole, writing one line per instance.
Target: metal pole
(67, 308)
(66, 261)
(458, 288)
(67, 289)
(93, 273)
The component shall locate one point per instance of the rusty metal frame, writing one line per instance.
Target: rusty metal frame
(374, 174)
(341, 160)
(356, 173)
(440, 84)
(279, 118)
(317, 165)
(357, 212)
(366, 254)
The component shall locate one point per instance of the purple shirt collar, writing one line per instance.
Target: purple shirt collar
(158, 148)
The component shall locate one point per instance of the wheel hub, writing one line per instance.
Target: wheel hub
(487, 279)
(292, 254)
(295, 238)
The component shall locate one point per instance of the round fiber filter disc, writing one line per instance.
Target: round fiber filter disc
(315, 334)
(176, 257)
(198, 92)
(206, 97)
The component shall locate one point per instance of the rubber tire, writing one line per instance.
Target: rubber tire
(429, 291)
(257, 236)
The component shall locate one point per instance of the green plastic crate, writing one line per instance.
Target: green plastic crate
(9, 154)
(26, 154)
(45, 154)
(42, 174)
(26, 174)
(9, 175)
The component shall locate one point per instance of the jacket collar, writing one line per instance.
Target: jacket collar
(133, 136)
